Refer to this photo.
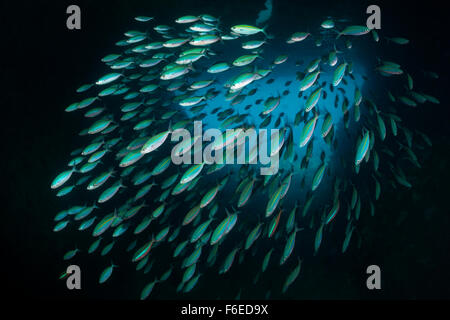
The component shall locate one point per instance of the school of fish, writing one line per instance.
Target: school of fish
(121, 189)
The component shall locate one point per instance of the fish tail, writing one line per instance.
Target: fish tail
(191, 67)
(335, 49)
(268, 36)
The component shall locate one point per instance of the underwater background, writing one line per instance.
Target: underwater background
(45, 63)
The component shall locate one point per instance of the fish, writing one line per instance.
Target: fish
(333, 212)
(246, 30)
(253, 44)
(191, 284)
(106, 274)
(312, 100)
(273, 201)
(381, 127)
(292, 276)
(187, 19)
(326, 125)
(110, 192)
(142, 252)
(398, 40)
(339, 74)
(108, 78)
(209, 196)
(62, 178)
(147, 290)
(229, 261)
(354, 31)
(219, 67)
(389, 69)
(271, 104)
(362, 148)
(155, 142)
(297, 37)
(220, 231)
(289, 247)
(307, 131)
(253, 236)
(245, 60)
(70, 254)
(246, 193)
(318, 176)
(318, 238)
(327, 24)
(309, 80)
(143, 18)
(280, 59)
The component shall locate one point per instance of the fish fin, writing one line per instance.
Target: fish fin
(191, 67)
(268, 36)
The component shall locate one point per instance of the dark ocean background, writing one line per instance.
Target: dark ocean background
(43, 64)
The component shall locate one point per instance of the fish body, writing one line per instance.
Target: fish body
(309, 80)
(362, 148)
(307, 131)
